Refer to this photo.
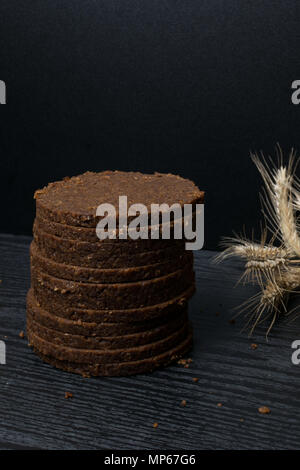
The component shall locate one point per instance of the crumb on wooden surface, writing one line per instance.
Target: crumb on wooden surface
(181, 361)
(264, 410)
(185, 362)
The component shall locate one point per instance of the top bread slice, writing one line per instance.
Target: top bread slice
(74, 201)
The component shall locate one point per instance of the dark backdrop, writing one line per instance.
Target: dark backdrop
(186, 87)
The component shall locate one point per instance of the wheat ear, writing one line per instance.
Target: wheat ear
(280, 205)
(261, 259)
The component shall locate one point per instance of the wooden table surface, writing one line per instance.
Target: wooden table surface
(118, 413)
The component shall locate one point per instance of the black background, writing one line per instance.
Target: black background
(187, 87)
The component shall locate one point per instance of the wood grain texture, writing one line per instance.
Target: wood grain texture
(118, 413)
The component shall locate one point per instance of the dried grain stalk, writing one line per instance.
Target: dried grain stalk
(275, 268)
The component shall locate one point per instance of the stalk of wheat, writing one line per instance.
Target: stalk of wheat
(274, 265)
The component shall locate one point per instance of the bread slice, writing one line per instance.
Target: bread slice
(110, 296)
(82, 274)
(74, 201)
(120, 369)
(85, 234)
(102, 355)
(119, 341)
(106, 322)
(104, 256)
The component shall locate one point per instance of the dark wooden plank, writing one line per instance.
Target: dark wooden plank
(118, 413)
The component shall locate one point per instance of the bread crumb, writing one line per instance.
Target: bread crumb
(254, 346)
(85, 375)
(183, 403)
(181, 362)
(264, 410)
(22, 334)
(185, 362)
(219, 405)
(195, 379)
(155, 425)
(68, 395)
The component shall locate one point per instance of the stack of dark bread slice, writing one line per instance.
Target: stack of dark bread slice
(113, 306)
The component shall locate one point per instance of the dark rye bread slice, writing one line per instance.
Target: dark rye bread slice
(106, 256)
(111, 296)
(73, 201)
(106, 322)
(77, 273)
(105, 342)
(103, 356)
(92, 329)
(120, 369)
(86, 234)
